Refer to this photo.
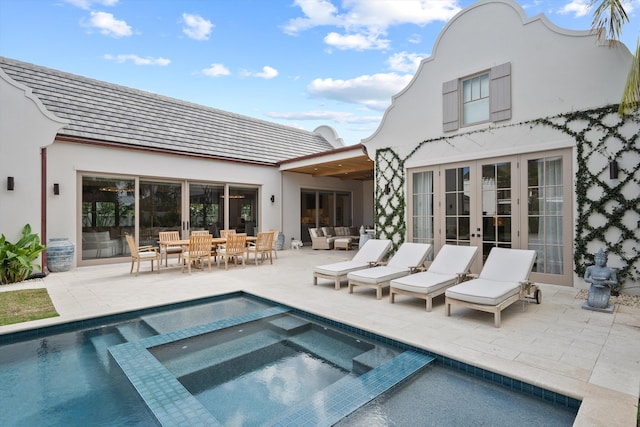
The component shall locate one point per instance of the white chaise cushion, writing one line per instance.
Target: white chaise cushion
(508, 265)
(425, 282)
(410, 255)
(377, 274)
(373, 250)
(340, 268)
(453, 259)
(483, 291)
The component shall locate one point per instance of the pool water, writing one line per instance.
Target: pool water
(239, 360)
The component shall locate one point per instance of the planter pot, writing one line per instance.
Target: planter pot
(280, 242)
(60, 253)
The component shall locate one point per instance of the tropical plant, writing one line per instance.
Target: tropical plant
(608, 19)
(16, 259)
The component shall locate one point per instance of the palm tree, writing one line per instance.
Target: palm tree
(608, 19)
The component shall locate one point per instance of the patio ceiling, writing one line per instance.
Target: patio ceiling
(344, 163)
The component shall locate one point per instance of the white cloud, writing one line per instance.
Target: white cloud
(86, 4)
(578, 8)
(196, 27)
(406, 62)
(216, 70)
(355, 41)
(108, 25)
(373, 91)
(137, 60)
(324, 115)
(365, 22)
(267, 73)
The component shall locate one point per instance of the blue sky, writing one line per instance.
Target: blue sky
(301, 63)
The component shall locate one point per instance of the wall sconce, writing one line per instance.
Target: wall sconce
(10, 183)
(387, 189)
(273, 198)
(613, 169)
(56, 189)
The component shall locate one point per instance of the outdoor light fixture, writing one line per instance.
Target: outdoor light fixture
(273, 198)
(10, 183)
(613, 169)
(387, 189)
(56, 189)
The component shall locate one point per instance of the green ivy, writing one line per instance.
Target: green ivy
(596, 132)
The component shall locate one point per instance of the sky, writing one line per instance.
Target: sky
(300, 63)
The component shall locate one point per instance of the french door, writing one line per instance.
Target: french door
(520, 202)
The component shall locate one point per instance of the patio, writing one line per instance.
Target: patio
(557, 345)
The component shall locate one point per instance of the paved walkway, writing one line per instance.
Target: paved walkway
(557, 345)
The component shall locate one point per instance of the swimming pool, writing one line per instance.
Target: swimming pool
(243, 360)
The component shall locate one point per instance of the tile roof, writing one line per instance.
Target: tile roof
(117, 114)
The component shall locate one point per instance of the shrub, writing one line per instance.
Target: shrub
(16, 259)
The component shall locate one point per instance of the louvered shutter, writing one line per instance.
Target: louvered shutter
(450, 108)
(500, 92)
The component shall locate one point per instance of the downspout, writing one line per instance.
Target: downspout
(43, 205)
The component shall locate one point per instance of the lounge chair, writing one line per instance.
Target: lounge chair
(409, 257)
(502, 281)
(446, 270)
(372, 252)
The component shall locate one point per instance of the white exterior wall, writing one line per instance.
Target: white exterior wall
(553, 71)
(25, 127)
(293, 183)
(67, 160)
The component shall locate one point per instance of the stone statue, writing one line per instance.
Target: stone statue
(602, 279)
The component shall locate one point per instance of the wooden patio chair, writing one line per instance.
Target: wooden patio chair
(274, 241)
(142, 253)
(262, 246)
(214, 253)
(236, 247)
(170, 236)
(199, 251)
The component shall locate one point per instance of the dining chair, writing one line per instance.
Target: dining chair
(214, 252)
(262, 246)
(169, 236)
(199, 251)
(142, 253)
(236, 247)
(274, 241)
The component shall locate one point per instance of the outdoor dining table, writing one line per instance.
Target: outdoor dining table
(185, 242)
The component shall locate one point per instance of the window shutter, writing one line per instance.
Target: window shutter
(500, 96)
(450, 109)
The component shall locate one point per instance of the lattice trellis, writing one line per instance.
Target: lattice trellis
(390, 201)
(601, 135)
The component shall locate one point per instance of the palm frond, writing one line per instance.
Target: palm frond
(631, 95)
(608, 19)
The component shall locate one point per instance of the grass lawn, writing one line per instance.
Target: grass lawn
(24, 305)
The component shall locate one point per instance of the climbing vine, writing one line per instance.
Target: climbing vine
(608, 212)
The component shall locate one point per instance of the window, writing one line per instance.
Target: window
(480, 98)
(475, 99)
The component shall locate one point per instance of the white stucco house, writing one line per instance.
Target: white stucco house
(92, 162)
(505, 137)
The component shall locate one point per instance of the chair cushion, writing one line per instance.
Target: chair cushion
(373, 250)
(483, 291)
(425, 282)
(377, 274)
(328, 231)
(453, 259)
(340, 268)
(313, 232)
(145, 255)
(410, 255)
(508, 265)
